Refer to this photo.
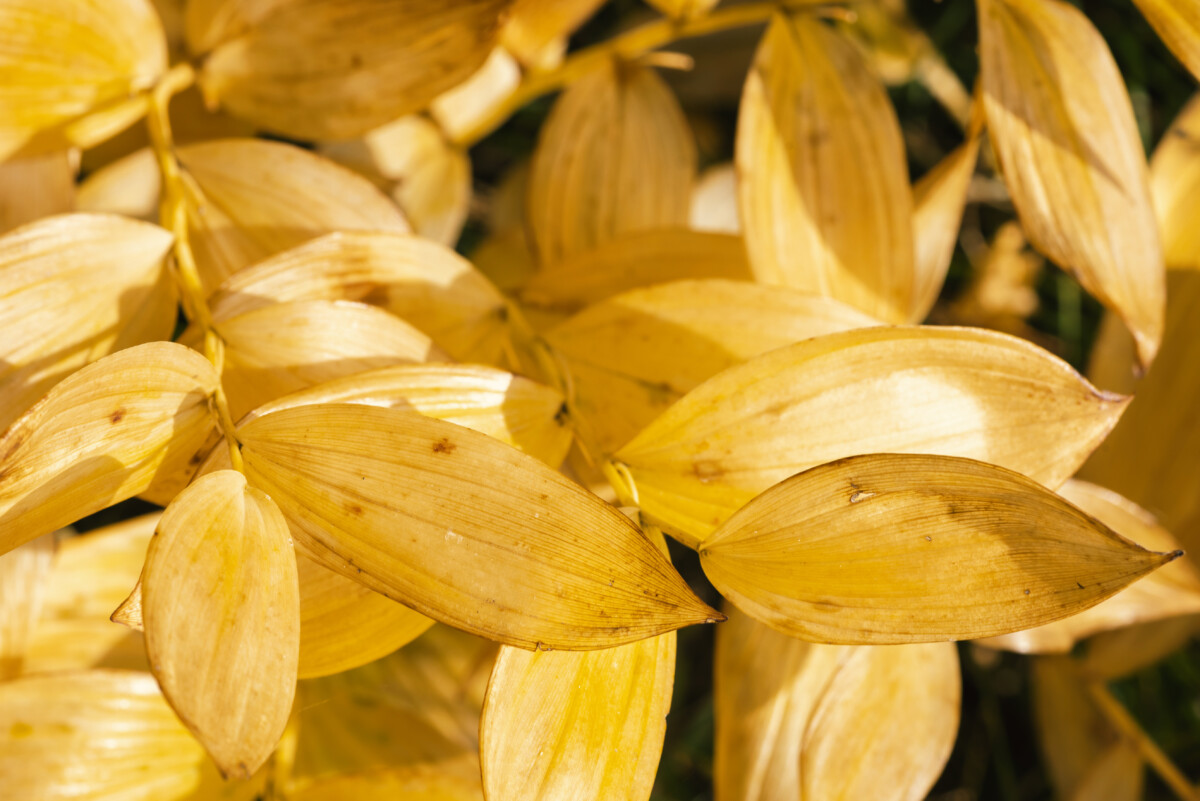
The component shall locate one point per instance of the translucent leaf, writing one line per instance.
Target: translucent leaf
(282, 348)
(615, 155)
(488, 557)
(1175, 183)
(75, 288)
(823, 187)
(953, 391)
(1178, 24)
(568, 725)
(222, 612)
(1063, 130)
(23, 577)
(1173, 590)
(423, 283)
(632, 356)
(65, 58)
(35, 187)
(319, 69)
(639, 259)
(895, 548)
(100, 437)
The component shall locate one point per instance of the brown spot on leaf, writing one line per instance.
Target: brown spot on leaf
(117, 416)
(444, 445)
(355, 509)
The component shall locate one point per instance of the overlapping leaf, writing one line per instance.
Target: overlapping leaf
(221, 607)
(36, 186)
(472, 103)
(536, 31)
(953, 391)
(822, 179)
(101, 436)
(534, 561)
(319, 69)
(896, 548)
(1175, 183)
(77, 287)
(1061, 123)
(1178, 23)
(23, 576)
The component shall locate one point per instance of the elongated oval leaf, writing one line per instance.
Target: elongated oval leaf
(413, 508)
(422, 282)
(221, 607)
(939, 198)
(320, 69)
(1062, 127)
(65, 58)
(822, 179)
(616, 155)
(101, 436)
(896, 548)
(23, 579)
(77, 287)
(1178, 23)
(1175, 182)
(954, 391)
(536, 31)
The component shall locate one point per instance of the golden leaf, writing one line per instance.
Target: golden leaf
(1175, 183)
(1063, 129)
(615, 155)
(35, 187)
(953, 391)
(101, 436)
(896, 548)
(320, 69)
(222, 611)
(570, 725)
(65, 58)
(1112, 364)
(23, 578)
(823, 187)
(1121, 653)
(632, 356)
(422, 282)
(77, 287)
(488, 557)
(536, 31)
(459, 110)
(1178, 24)
(1174, 590)
(683, 9)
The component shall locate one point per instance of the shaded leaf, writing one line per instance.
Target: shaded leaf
(1063, 129)
(1121, 653)
(895, 548)
(35, 187)
(1178, 23)
(1175, 184)
(953, 391)
(23, 577)
(823, 187)
(222, 613)
(491, 558)
(101, 436)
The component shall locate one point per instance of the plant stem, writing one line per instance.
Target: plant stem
(1121, 720)
(173, 214)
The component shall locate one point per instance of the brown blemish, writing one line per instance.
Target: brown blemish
(706, 470)
(444, 445)
(560, 417)
(355, 509)
(1026, 592)
(117, 416)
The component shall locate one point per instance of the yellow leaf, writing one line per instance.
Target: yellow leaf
(393, 785)
(615, 155)
(567, 725)
(1178, 23)
(1112, 364)
(1063, 130)
(1175, 183)
(896, 548)
(35, 187)
(684, 9)
(1174, 590)
(822, 178)
(459, 110)
(536, 31)
(639, 259)
(487, 557)
(426, 175)
(75, 288)
(129, 186)
(282, 348)
(953, 391)
(23, 578)
(1121, 653)
(320, 69)
(632, 356)
(422, 282)
(222, 612)
(65, 58)
(938, 199)
(101, 436)
(714, 201)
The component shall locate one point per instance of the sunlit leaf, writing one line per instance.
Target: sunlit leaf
(460, 109)
(1175, 183)
(65, 58)
(34, 187)
(489, 557)
(1062, 126)
(616, 155)
(714, 201)
(1112, 364)
(632, 356)
(24, 573)
(222, 612)
(100, 437)
(74, 288)
(422, 282)
(319, 69)
(894, 548)
(536, 31)
(823, 187)
(1178, 23)
(953, 391)
(1173, 590)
